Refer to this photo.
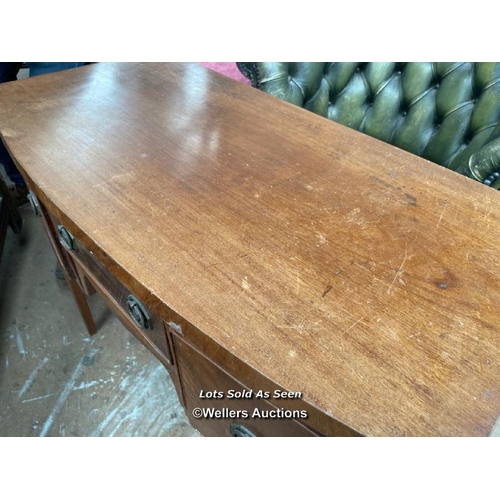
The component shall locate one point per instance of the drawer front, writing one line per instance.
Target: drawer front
(200, 375)
(141, 322)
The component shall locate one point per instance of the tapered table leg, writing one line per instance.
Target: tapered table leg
(69, 273)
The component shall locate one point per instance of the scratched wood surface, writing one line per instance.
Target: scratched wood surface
(332, 263)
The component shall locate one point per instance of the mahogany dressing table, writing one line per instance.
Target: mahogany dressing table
(254, 246)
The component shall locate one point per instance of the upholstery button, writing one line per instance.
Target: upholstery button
(436, 86)
(398, 72)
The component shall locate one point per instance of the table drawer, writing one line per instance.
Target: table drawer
(200, 376)
(141, 322)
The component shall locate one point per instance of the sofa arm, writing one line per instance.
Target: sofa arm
(274, 74)
(250, 71)
(288, 81)
(484, 165)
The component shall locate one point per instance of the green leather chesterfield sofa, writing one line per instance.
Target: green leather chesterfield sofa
(448, 113)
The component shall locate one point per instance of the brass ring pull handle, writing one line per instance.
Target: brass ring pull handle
(66, 238)
(238, 430)
(33, 202)
(138, 313)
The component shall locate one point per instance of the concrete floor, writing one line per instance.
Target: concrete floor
(57, 381)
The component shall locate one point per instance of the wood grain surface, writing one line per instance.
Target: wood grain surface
(332, 263)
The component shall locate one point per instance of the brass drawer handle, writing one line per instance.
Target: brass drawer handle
(138, 313)
(33, 202)
(238, 430)
(66, 238)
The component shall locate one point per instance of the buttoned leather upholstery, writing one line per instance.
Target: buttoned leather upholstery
(448, 113)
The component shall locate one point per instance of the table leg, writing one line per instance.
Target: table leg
(69, 273)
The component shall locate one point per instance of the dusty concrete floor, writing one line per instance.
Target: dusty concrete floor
(57, 381)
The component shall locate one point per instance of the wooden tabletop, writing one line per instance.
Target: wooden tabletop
(334, 264)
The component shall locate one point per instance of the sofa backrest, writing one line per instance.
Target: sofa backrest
(443, 112)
